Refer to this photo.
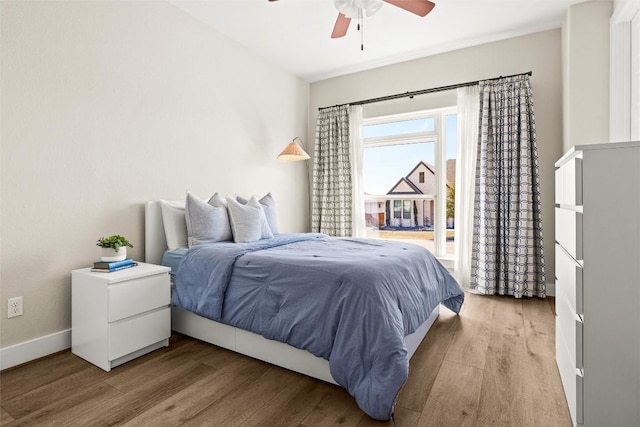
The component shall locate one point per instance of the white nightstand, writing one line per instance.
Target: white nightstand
(116, 317)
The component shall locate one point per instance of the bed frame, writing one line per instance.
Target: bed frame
(239, 340)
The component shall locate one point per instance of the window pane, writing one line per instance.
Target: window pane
(406, 209)
(396, 209)
(404, 127)
(400, 177)
(384, 167)
(392, 175)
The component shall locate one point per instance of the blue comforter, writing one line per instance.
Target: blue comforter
(351, 301)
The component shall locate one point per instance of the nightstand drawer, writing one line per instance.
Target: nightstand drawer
(137, 296)
(130, 335)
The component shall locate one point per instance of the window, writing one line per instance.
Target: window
(406, 209)
(409, 166)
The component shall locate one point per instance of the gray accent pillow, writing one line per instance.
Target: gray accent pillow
(269, 207)
(248, 222)
(207, 222)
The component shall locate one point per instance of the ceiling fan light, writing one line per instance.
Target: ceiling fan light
(371, 6)
(343, 6)
(350, 8)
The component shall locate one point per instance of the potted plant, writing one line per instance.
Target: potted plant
(114, 248)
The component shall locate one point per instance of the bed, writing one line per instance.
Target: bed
(196, 321)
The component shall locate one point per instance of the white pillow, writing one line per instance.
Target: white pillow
(248, 222)
(207, 222)
(269, 207)
(173, 220)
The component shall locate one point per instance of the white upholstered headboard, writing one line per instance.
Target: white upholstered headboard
(155, 242)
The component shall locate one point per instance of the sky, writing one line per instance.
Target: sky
(384, 166)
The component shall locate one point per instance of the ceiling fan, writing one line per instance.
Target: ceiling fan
(349, 9)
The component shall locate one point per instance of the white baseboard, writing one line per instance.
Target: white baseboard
(34, 349)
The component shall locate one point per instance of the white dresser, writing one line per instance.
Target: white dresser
(598, 283)
(118, 316)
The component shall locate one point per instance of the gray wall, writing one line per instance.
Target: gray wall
(108, 104)
(539, 52)
(585, 68)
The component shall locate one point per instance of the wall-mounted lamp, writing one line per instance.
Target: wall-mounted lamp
(293, 152)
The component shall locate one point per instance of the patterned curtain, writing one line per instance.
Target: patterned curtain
(331, 185)
(508, 254)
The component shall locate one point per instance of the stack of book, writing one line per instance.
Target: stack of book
(110, 266)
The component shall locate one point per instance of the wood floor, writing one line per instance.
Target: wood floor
(493, 365)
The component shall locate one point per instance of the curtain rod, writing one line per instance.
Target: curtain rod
(423, 91)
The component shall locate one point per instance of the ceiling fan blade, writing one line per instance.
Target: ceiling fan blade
(419, 7)
(341, 26)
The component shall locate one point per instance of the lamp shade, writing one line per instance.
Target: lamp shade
(293, 152)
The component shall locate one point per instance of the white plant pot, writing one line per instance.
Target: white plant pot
(108, 254)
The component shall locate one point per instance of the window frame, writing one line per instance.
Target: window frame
(438, 137)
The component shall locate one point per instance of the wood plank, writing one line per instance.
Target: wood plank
(238, 405)
(544, 383)
(151, 392)
(455, 396)
(335, 408)
(426, 361)
(540, 339)
(505, 399)
(29, 376)
(188, 402)
(5, 418)
(478, 307)
(537, 309)
(137, 372)
(52, 392)
(405, 417)
(291, 405)
(507, 316)
(469, 343)
(69, 411)
(217, 357)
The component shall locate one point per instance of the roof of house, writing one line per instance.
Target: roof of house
(415, 189)
(425, 165)
(451, 176)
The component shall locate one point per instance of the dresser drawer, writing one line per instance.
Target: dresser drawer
(137, 296)
(131, 335)
(570, 326)
(572, 381)
(569, 183)
(569, 279)
(569, 231)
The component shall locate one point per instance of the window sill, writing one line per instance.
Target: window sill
(447, 261)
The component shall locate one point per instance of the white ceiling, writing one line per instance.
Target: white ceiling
(295, 34)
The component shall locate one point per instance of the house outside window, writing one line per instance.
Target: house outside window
(409, 163)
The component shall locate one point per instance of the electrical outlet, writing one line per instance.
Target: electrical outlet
(14, 307)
